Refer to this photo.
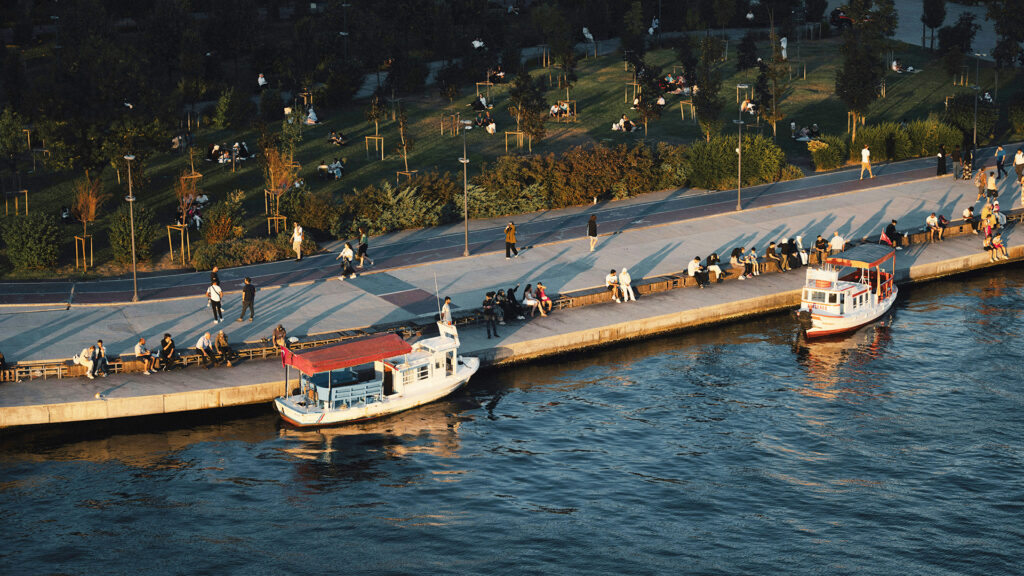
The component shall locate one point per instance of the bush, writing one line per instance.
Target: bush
(224, 220)
(490, 203)
(240, 252)
(828, 152)
(887, 141)
(672, 166)
(121, 239)
(790, 172)
(315, 211)
(1017, 115)
(713, 164)
(33, 241)
(271, 105)
(927, 135)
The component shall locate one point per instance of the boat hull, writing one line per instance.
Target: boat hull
(822, 325)
(301, 416)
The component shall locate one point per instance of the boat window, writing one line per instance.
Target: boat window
(408, 376)
(832, 298)
(818, 296)
(423, 372)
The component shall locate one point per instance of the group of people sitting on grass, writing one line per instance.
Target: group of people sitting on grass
(486, 121)
(333, 170)
(189, 212)
(224, 154)
(480, 104)
(673, 85)
(624, 125)
(805, 134)
(337, 138)
(561, 110)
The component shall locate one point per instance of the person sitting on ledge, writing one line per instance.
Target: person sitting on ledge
(611, 282)
(894, 237)
(167, 353)
(970, 218)
(697, 272)
(205, 348)
(934, 230)
(772, 256)
(821, 248)
(143, 354)
(223, 350)
(712, 266)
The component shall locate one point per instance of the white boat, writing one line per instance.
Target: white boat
(372, 377)
(849, 290)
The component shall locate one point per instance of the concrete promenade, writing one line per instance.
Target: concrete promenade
(406, 292)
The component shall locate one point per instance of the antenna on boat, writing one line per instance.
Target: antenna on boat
(437, 298)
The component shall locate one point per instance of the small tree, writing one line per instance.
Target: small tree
(406, 141)
(224, 220)
(773, 84)
(706, 98)
(89, 197)
(960, 113)
(746, 53)
(955, 42)
(934, 13)
(688, 60)
(120, 234)
(650, 91)
(375, 113)
(526, 105)
(33, 241)
(12, 141)
(633, 33)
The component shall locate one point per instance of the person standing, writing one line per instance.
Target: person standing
(214, 277)
(364, 244)
(625, 286)
(1018, 163)
(510, 241)
(1000, 158)
(99, 360)
(837, 244)
(248, 299)
(865, 162)
(446, 311)
(145, 356)
(991, 191)
(981, 181)
(592, 231)
(821, 249)
(489, 316)
(611, 282)
(297, 234)
(215, 294)
(940, 169)
(957, 163)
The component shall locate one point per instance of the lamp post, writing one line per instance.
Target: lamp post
(467, 124)
(131, 222)
(976, 89)
(739, 148)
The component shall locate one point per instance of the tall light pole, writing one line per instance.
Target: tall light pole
(465, 186)
(976, 89)
(131, 222)
(739, 149)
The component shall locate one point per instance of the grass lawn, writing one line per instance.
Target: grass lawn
(599, 95)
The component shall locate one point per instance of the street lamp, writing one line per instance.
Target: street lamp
(739, 148)
(131, 222)
(976, 89)
(467, 124)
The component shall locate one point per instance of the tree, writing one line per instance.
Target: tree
(1007, 17)
(955, 42)
(746, 53)
(648, 77)
(933, 15)
(857, 80)
(724, 11)
(375, 113)
(706, 98)
(960, 113)
(403, 135)
(633, 33)
(224, 220)
(527, 105)
(121, 234)
(12, 140)
(686, 57)
(89, 197)
(773, 84)
(815, 10)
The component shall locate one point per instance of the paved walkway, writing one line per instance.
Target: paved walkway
(654, 234)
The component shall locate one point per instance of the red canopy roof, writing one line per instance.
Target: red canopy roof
(346, 354)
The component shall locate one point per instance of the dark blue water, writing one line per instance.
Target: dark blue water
(736, 450)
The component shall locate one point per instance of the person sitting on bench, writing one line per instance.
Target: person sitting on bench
(772, 256)
(166, 357)
(205, 349)
(147, 358)
(697, 272)
(223, 350)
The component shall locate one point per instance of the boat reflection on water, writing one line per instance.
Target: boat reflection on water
(842, 359)
(430, 429)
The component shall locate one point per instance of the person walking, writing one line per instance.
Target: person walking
(957, 163)
(346, 256)
(865, 162)
(981, 181)
(625, 286)
(592, 231)
(214, 295)
(1000, 158)
(248, 299)
(510, 241)
(940, 169)
(364, 244)
(446, 311)
(489, 315)
(297, 234)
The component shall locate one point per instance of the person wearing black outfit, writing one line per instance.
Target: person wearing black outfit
(513, 302)
(248, 299)
(214, 278)
(940, 168)
(489, 315)
(895, 237)
(167, 352)
(957, 163)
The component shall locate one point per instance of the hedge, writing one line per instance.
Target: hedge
(828, 152)
(33, 241)
(121, 234)
(245, 251)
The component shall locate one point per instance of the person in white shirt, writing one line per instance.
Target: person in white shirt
(611, 281)
(932, 222)
(143, 354)
(84, 358)
(297, 241)
(865, 162)
(697, 272)
(625, 286)
(971, 219)
(261, 81)
(837, 244)
(205, 348)
(446, 311)
(1018, 163)
(346, 255)
(215, 294)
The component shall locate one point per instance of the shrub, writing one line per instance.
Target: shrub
(224, 219)
(233, 110)
(488, 203)
(927, 135)
(672, 166)
(32, 241)
(121, 239)
(240, 252)
(887, 141)
(828, 152)
(315, 211)
(1017, 115)
(790, 172)
(271, 105)
(712, 163)
(384, 208)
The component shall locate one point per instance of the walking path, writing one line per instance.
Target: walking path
(652, 235)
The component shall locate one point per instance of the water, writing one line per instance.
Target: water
(729, 451)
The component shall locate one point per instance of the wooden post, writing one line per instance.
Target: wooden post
(517, 138)
(80, 244)
(186, 244)
(407, 173)
(17, 209)
(378, 144)
(278, 223)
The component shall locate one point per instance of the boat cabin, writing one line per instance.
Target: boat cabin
(851, 281)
